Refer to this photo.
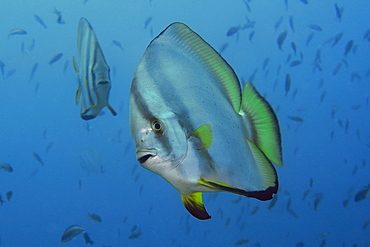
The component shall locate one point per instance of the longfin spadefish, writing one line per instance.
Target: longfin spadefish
(204, 134)
(194, 204)
(212, 60)
(263, 122)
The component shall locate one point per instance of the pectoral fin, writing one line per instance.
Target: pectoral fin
(204, 135)
(75, 65)
(194, 204)
(78, 95)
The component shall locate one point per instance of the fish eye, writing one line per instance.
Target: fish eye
(157, 125)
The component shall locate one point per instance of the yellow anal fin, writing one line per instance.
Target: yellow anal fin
(78, 95)
(112, 110)
(264, 124)
(204, 135)
(194, 204)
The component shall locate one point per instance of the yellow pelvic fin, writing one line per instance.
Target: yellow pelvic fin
(75, 65)
(194, 204)
(204, 134)
(264, 124)
(112, 110)
(78, 95)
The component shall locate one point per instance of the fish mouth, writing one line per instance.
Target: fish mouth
(144, 158)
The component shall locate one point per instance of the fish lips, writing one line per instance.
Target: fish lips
(143, 156)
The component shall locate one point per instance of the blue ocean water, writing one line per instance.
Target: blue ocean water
(90, 166)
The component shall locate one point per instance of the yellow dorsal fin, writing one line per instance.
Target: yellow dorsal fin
(194, 204)
(75, 65)
(211, 59)
(204, 134)
(263, 123)
(78, 95)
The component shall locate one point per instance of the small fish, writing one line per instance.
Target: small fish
(291, 23)
(249, 24)
(38, 158)
(315, 27)
(278, 23)
(1, 200)
(251, 35)
(367, 35)
(337, 38)
(9, 195)
(273, 202)
(55, 58)
(348, 47)
(9, 73)
(281, 38)
(6, 167)
(241, 242)
(265, 63)
(309, 38)
(40, 21)
(135, 232)
(87, 239)
(65, 67)
(34, 68)
(118, 44)
(93, 76)
(362, 194)
(223, 47)
(147, 22)
(366, 224)
(288, 81)
(355, 107)
(304, 1)
(296, 119)
(254, 210)
(17, 31)
(294, 47)
(338, 12)
(317, 201)
(2, 65)
(336, 69)
(59, 16)
(95, 217)
(71, 232)
(323, 95)
(232, 31)
(295, 63)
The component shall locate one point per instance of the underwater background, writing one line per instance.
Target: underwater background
(310, 59)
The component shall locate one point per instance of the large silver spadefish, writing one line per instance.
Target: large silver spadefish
(192, 124)
(93, 73)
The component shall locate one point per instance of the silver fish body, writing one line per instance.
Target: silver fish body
(190, 126)
(94, 81)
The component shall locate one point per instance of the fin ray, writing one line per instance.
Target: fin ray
(211, 58)
(264, 124)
